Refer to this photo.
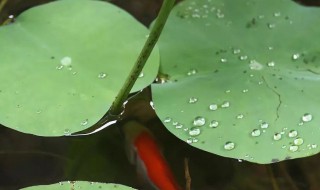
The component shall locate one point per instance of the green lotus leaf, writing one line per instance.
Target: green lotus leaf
(79, 185)
(63, 63)
(242, 78)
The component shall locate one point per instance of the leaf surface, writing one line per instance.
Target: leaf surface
(79, 185)
(242, 78)
(63, 63)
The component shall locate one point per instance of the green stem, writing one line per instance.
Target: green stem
(2, 4)
(117, 105)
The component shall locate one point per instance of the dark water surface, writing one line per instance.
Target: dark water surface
(27, 160)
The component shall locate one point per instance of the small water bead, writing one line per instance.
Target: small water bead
(264, 125)
(256, 132)
(186, 129)
(195, 140)
(220, 15)
(295, 56)
(167, 120)
(38, 111)
(236, 51)
(307, 117)
(192, 72)
(141, 75)
(194, 131)
(225, 104)
(223, 60)
(84, 122)
(314, 146)
(228, 91)
(102, 75)
(67, 132)
(293, 148)
(271, 64)
(213, 107)
(59, 67)
(277, 14)
(255, 65)
(243, 57)
(179, 126)
(66, 61)
(240, 116)
(189, 140)
(174, 123)
(271, 25)
(245, 90)
(298, 141)
(229, 145)
(277, 136)
(213, 124)
(193, 100)
(292, 133)
(199, 121)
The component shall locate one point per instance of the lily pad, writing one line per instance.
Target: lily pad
(63, 63)
(79, 185)
(242, 78)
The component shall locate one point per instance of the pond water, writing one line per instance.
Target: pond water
(27, 160)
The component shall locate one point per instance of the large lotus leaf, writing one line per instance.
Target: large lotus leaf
(63, 63)
(77, 185)
(242, 78)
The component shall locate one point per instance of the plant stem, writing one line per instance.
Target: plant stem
(2, 4)
(156, 30)
(187, 174)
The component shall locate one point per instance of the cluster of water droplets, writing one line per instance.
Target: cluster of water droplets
(256, 132)
(200, 10)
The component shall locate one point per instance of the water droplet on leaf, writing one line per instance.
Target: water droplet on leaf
(213, 107)
(307, 117)
(67, 132)
(271, 64)
(256, 132)
(292, 133)
(102, 75)
(240, 116)
(298, 141)
(167, 120)
(225, 104)
(295, 56)
(194, 131)
(214, 124)
(223, 60)
(293, 148)
(66, 61)
(277, 136)
(59, 67)
(84, 122)
(141, 75)
(179, 126)
(193, 100)
(229, 145)
(199, 121)
(192, 72)
(264, 125)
